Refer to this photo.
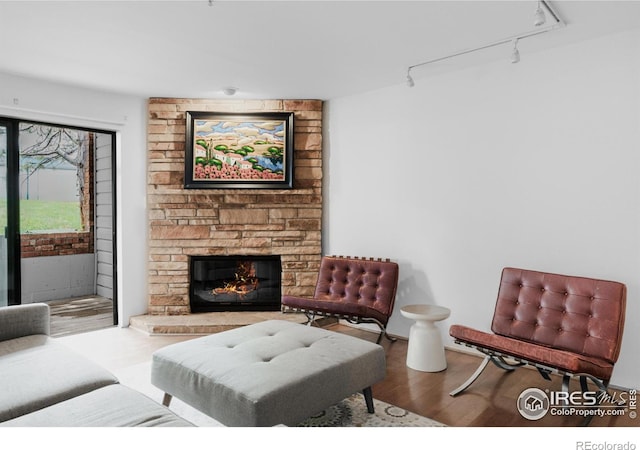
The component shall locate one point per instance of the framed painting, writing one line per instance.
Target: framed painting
(228, 150)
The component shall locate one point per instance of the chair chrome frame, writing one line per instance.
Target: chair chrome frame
(499, 360)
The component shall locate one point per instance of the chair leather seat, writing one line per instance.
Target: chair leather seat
(561, 360)
(334, 307)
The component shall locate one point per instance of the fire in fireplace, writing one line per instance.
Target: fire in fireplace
(235, 283)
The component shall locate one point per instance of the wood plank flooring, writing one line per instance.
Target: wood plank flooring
(80, 315)
(489, 402)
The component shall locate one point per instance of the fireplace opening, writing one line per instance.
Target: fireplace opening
(235, 283)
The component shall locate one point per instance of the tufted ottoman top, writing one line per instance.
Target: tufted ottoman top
(268, 373)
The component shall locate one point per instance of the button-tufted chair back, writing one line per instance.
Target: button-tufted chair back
(371, 283)
(360, 290)
(581, 315)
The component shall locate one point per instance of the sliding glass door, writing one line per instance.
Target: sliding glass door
(4, 278)
(9, 249)
(56, 186)
(9, 216)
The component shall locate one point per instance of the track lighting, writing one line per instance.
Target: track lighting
(410, 82)
(539, 17)
(515, 54)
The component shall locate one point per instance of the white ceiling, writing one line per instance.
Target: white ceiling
(274, 49)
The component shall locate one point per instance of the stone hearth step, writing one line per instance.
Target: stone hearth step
(214, 322)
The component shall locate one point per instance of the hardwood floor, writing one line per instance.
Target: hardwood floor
(80, 315)
(489, 402)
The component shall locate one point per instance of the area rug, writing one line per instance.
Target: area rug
(351, 412)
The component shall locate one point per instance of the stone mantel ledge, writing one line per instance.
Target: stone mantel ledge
(213, 322)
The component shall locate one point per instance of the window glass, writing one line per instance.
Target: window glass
(52, 178)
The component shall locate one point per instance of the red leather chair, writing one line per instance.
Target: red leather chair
(358, 290)
(560, 324)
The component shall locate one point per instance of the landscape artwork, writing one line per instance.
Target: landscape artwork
(239, 150)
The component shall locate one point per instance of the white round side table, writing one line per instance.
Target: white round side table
(425, 352)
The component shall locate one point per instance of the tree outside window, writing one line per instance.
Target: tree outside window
(53, 187)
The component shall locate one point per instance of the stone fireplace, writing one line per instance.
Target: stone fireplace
(185, 225)
(235, 283)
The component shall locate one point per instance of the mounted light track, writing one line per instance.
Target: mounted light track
(515, 54)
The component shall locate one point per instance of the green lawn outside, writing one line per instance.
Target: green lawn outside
(45, 216)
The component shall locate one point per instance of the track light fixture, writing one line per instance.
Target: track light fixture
(539, 17)
(515, 53)
(410, 82)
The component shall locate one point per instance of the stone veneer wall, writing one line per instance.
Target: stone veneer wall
(186, 222)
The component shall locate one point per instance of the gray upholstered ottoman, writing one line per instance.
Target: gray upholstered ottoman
(269, 373)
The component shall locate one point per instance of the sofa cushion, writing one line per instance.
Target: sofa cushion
(111, 406)
(24, 320)
(42, 372)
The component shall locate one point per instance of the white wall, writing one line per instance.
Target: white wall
(533, 165)
(57, 103)
(47, 278)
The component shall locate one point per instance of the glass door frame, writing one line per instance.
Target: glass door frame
(12, 231)
(14, 279)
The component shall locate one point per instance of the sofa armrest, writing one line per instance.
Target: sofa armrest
(24, 320)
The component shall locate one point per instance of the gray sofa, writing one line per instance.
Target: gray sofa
(47, 384)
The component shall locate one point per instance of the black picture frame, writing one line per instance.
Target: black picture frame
(239, 150)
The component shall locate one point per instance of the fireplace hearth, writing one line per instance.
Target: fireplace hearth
(235, 283)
